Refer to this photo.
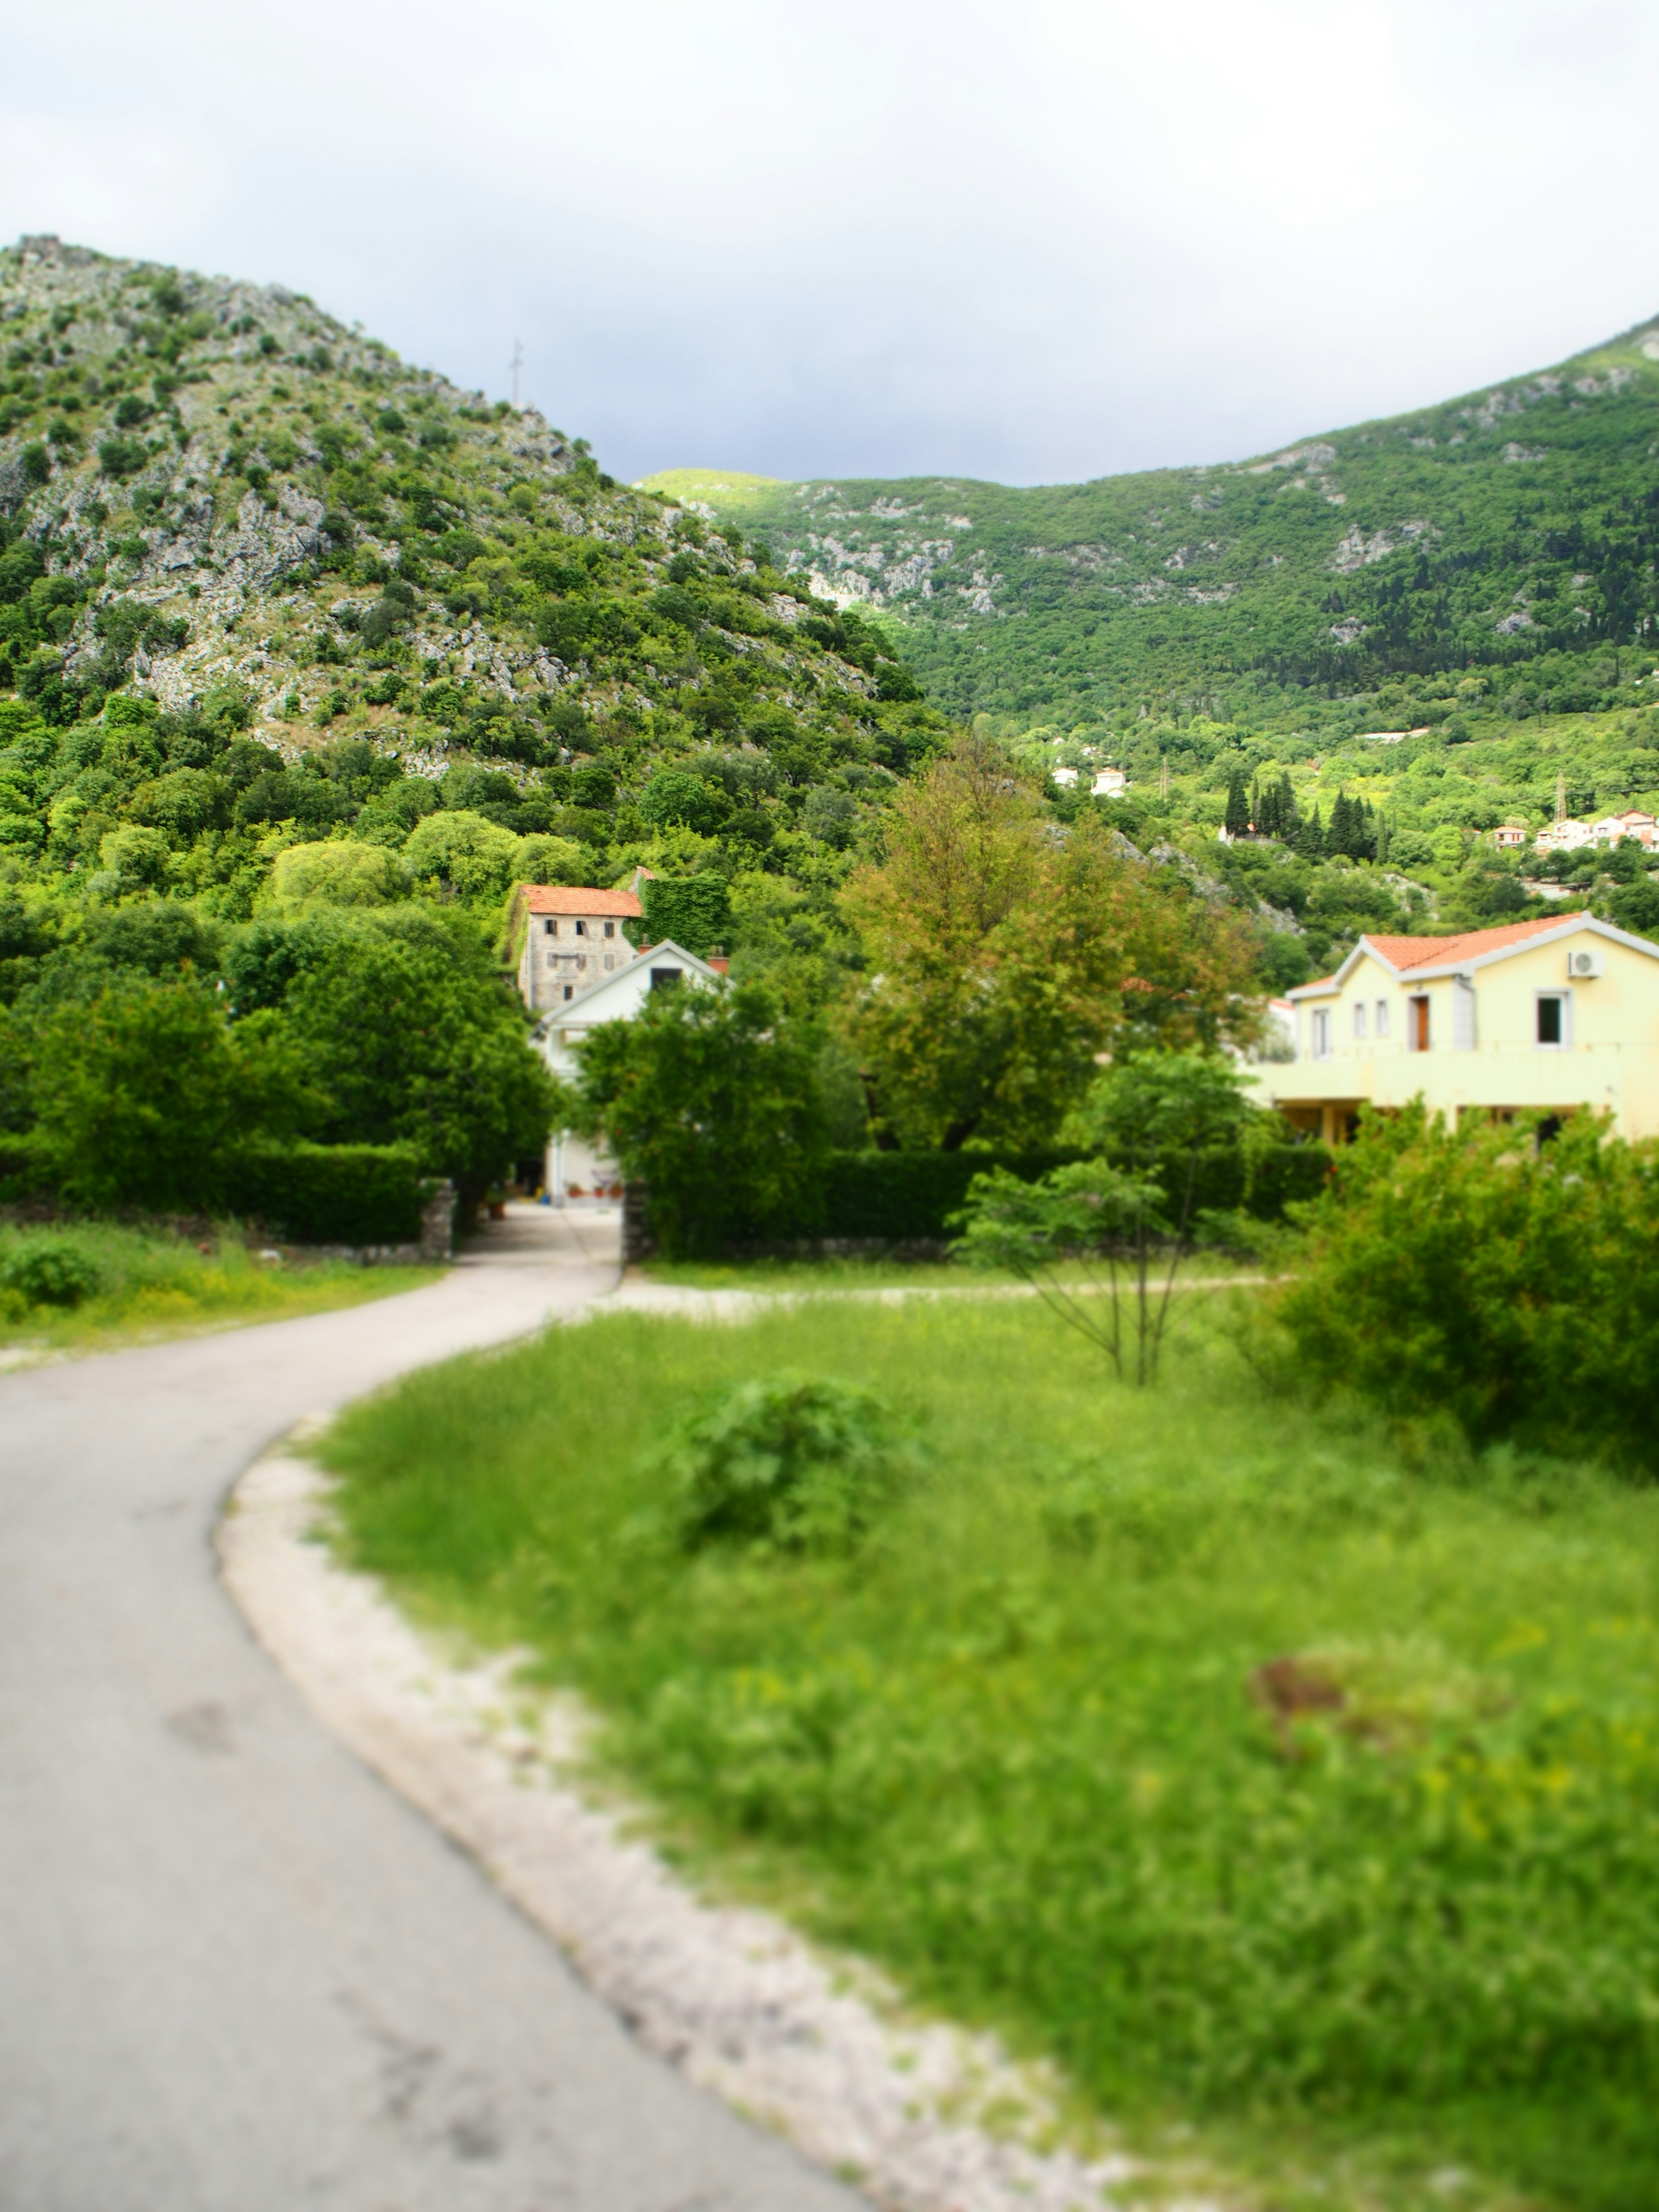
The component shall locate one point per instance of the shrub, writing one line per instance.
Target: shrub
(1508, 1286)
(784, 1462)
(44, 1270)
(328, 1194)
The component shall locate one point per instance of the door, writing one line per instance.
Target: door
(1417, 1012)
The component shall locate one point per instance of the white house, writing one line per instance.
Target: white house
(1567, 836)
(575, 1168)
(1066, 777)
(1109, 782)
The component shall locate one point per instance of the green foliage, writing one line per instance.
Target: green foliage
(46, 1270)
(712, 1105)
(1484, 1278)
(695, 911)
(140, 1095)
(1026, 1748)
(783, 1463)
(358, 1194)
(128, 1279)
(406, 1030)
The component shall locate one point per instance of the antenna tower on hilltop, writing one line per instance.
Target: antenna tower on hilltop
(517, 364)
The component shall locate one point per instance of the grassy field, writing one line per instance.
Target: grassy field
(1383, 1916)
(107, 1286)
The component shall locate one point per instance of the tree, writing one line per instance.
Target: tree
(462, 851)
(139, 1096)
(673, 797)
(1239, 806)
(1005, 954)
(1122, 1214)
(711, 1104)
(405, 1026)
(341, 872)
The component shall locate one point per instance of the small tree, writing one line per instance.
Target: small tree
(1130, 1210)
(1087, 1217)
(710, 1105)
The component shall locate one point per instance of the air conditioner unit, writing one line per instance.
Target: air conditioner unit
(1583, 961)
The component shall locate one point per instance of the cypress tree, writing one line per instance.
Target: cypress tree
(1239, 806)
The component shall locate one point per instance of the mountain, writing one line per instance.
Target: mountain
(1511, 531)
(326, 577)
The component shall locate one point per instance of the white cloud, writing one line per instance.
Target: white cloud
(1041, 240)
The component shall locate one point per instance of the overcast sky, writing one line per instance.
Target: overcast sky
(1036, 242)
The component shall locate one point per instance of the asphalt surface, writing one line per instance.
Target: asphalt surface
(236, 1973)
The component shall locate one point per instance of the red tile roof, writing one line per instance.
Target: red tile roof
(1403, 952)
(577, 898)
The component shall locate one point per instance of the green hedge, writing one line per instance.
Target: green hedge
(329, 1193)
(905, 1198)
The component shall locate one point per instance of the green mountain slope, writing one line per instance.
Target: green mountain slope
(319, 578)
(1512, 530)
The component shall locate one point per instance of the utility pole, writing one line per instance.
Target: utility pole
(518, 363)
(1164, 776)
(1560, 796)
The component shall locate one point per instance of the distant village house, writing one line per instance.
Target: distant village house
(576, 969)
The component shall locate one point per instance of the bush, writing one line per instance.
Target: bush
(329, 1193)
(1508, 1286)
(44, 1270)
(785, 1461)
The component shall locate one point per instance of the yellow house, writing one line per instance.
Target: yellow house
(1547, 1015)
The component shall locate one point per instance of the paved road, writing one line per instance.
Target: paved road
(236, 1973)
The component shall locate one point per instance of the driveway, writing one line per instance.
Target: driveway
(236, 1973)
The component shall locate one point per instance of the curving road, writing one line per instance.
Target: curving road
(237, 1974)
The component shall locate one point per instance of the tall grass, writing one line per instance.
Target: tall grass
(1031, 1748)
(80, 1284)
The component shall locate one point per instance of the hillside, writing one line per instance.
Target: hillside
(265, 585)
(337, 579)
(1510, 532)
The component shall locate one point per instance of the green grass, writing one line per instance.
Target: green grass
(146, 1286)
(854, 1275)
(1011, 1750)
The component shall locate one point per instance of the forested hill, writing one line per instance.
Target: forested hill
(1513, 530)
(325, 582)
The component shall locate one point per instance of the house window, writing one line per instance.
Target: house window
(569, 990)
(610, 962)
(1358, 1021)
(581, 929)
(1552, 1020)
(662, 978)
(1381, 1017)
(1321, 1033)
(611, 929)
(550, 929)
(1417, 1023)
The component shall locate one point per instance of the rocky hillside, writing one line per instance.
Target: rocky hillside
(1512, 532)
(220, 502)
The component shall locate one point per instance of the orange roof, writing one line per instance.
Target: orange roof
(577, 898)
(1471, 944)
